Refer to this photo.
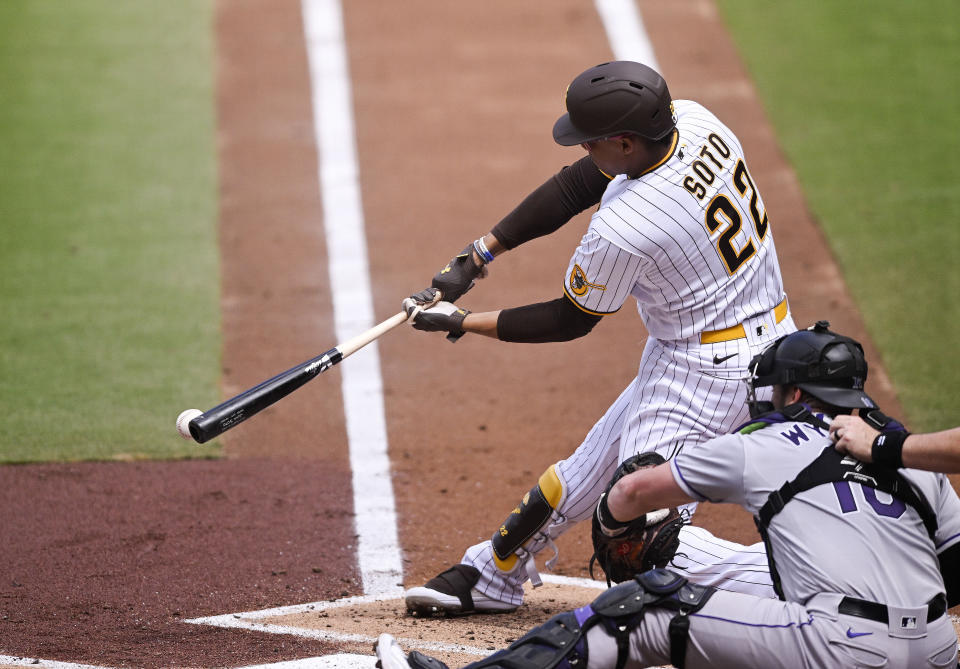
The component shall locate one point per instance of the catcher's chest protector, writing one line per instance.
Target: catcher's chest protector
(834, 467)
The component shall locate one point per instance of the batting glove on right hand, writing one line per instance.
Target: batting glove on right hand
(426, 298)
(441, 317)
(458, 276)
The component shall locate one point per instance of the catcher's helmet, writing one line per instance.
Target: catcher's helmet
(616, 98)
(827, 365)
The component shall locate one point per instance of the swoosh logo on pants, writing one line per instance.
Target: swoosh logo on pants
(853, 635)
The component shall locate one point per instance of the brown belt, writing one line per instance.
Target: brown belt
(738, 331)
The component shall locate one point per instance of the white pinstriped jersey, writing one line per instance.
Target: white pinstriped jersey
(689, 239)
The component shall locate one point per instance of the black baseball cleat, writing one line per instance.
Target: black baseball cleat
(390, 656)
(452, 593)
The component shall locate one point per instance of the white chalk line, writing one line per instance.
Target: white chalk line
(18, 661)
(626, 33)
(251, 620)
(378, 551)
(339, 661)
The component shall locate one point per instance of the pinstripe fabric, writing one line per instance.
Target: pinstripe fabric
(651, 239)
(679, 398)
(710, 560)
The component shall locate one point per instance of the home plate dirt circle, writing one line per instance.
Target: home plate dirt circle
(354, 623)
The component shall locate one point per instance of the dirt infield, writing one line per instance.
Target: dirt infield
(453, 105)
(103, 561)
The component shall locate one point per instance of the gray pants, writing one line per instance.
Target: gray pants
(738, 630)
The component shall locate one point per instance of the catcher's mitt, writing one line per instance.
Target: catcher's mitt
(647, 542)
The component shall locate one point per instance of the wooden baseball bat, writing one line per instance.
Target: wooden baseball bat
(237, 409)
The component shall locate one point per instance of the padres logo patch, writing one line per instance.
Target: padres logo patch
(579, 284)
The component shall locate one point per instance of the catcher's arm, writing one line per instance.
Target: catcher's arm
(934, 451)
(645, 490)
(642, 535)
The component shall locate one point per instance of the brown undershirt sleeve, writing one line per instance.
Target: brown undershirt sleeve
(570, 191)
(557, 320)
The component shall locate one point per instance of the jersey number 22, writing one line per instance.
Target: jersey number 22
(721, 212)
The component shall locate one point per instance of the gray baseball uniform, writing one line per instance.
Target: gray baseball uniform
(830, 543)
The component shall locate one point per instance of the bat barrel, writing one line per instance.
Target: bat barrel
(237, 409)
(219, 419)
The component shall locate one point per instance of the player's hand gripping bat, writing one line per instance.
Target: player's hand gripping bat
(211, 423)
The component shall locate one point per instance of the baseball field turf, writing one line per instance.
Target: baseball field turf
(109, 270)
(860, 97)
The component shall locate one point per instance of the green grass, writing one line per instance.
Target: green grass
(109, 283)
(109, 313)
(864, 99)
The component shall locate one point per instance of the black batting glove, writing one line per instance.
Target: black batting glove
(441, 317)
(458, 276)
(424, 298)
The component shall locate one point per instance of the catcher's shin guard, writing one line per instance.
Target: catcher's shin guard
(561, 641)
(527, 519)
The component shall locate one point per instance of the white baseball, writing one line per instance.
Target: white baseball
(183, 422)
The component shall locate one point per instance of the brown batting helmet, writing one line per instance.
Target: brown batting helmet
(616, 98)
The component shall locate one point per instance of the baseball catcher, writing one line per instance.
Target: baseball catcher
(625, 549)
(869, 554)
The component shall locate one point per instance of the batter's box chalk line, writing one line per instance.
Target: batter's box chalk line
(251, 620)
(254, 620)
(17, 661)
(341, 661)
(257, 621)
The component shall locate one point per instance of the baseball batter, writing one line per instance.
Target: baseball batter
(867, 556)
(683, 230)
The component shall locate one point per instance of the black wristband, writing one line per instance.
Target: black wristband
(606, 518)
(887, 449)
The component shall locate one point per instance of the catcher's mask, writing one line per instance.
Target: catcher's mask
(620, 97)
(827, 365)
